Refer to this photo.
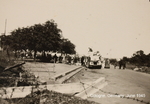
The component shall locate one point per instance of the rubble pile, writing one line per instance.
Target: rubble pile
(16, 77)
(51, 97)
(8, 77)
(142, 69)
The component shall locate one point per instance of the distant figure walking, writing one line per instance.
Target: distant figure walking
(55, 58)
(60, 59)
(115, 65)
(122, 63)
(69, 60)
(82, 60)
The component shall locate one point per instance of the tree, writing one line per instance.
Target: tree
(126, 59)
(40, 37)
(139, 58)
(139, 53)
(148, 60)
(113, 61)
(6, 43)
(67, 47)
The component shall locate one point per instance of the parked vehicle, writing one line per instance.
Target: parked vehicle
(107, 63)
(93, 61)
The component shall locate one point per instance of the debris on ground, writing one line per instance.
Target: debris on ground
(51, 97)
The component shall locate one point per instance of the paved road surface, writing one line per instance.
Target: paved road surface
(124, 82)
(119, 81)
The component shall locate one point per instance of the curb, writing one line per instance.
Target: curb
(20, 92)
(58, 76)
(98, 84)
(69, 75)
(16, 65)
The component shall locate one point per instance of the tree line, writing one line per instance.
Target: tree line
(139, 58)
(38, 38)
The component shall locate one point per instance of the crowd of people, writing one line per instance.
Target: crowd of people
(121, 64)
(69, 59)
(61, 58)
(49, 57)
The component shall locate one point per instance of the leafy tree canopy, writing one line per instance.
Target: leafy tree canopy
(67, 47)
(39, 37)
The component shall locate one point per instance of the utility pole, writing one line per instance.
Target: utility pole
(5, 27)
(0, 44)
(2, 40)
(3, 34)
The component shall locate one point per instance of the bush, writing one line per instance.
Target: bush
(130, 66)
(4, 61)
(43, 58)
(2, 101)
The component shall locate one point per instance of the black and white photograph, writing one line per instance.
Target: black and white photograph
(74, 52)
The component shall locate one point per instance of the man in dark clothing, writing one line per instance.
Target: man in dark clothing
(82, 60)
(120, 64)
(115, 65)
(60, 59)
(124, 64)
(49, 56)
(55, 58)
(69, 60)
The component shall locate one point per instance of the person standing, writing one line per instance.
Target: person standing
(120, 64)
(60, 59)
(115, 65)
(55, 58)
(124, 64)
(69, 59)
(82, 60)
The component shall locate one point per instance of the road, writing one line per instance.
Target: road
(126, 82)
(123, 82)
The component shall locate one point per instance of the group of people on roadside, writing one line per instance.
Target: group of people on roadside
(72, 59)
(121, 64)
(68, 59)
(56, 58)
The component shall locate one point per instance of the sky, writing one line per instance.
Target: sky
(115, 28)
